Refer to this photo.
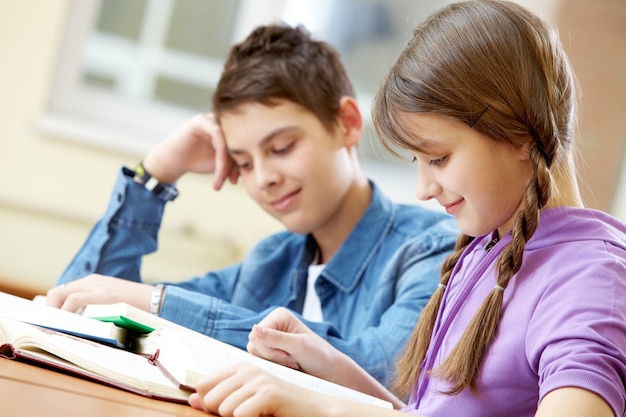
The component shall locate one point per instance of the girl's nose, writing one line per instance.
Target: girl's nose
(427, 188)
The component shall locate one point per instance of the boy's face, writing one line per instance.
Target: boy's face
(290, 164)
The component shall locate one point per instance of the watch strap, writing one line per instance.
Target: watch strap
(166, 192)
(141, 175)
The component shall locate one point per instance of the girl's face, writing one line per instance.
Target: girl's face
(289, 163)
(478, 181)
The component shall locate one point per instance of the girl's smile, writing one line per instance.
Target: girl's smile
(477, 180)
(452, 208)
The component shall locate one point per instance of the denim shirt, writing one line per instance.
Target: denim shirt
(371, 291)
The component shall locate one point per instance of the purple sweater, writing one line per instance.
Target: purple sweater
(563, 321)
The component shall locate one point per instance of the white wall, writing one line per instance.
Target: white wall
(52, 191)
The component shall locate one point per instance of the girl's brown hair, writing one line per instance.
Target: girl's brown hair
(498, 68)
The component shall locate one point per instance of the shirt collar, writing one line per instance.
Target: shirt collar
(359, 248)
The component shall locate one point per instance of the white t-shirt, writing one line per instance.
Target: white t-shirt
(312, 306)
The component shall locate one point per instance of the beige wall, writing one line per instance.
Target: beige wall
(594, 37)
(52, 191)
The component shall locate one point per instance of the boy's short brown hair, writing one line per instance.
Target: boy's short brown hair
(280, 62)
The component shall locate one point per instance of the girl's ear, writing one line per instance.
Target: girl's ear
(524, 150)
(350, 120)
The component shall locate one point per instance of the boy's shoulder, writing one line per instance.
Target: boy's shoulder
(424, 217)
(424, 229)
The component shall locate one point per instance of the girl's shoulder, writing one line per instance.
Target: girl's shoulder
(578, 226)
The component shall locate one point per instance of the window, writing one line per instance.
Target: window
(130, 71)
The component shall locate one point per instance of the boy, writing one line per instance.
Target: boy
(356, 267)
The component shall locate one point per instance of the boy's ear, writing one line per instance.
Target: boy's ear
(351, 120)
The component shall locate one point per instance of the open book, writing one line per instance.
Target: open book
(179, 355)
(91, 360)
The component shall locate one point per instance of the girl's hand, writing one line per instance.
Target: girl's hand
(282, 338)
(244, 390)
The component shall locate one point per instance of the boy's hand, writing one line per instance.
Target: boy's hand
(99, 289)
(197, 146)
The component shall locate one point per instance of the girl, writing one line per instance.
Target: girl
(530, 315)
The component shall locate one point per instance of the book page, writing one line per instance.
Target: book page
(187, 357)
(21, 309)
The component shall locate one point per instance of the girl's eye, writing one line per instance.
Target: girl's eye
(438, 161)
(283, 149)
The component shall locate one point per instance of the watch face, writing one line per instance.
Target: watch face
(153, 185)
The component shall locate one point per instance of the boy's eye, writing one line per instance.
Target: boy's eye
(243, 164)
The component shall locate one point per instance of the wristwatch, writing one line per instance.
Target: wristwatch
(157, 299)
(166, 192)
